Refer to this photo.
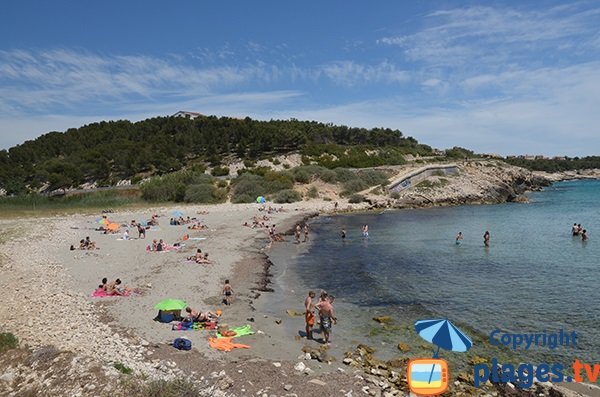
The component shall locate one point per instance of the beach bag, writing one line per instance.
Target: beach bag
(182, 344)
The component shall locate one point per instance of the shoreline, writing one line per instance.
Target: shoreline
(112, 339)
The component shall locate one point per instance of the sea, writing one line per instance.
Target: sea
(534, 278)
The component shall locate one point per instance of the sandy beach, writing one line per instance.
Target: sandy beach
(79, 342)
(47, 292)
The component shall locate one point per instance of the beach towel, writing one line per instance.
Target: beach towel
(100, 293)
(225, 344)
(239, 331)
(197, 238)
(173, 247)
(195, 326)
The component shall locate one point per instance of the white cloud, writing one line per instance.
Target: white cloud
(462, 36)
(349, 73)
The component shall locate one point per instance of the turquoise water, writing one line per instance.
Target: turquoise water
(534, 277)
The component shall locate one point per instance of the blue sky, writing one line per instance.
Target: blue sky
(501, 77)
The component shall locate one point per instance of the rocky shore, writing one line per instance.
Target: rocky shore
(477, 182)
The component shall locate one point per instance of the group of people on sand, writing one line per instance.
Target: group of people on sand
(199, 257)
(271, 210)
(115, 287)
(578, 230)
(180, 221)
(198, 226)
(324, 308)
(298, 231)
(86, 244)
(274, 236)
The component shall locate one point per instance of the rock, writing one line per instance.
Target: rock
(403, 347)
(477, 360)
(364, 349)
(278, 321)
(277, 365)
(287, 387)
(317, 382)
(299, 366)
(383, 319)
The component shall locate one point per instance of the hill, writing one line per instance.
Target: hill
(104, 153)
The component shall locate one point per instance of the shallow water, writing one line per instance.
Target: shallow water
(534, 277)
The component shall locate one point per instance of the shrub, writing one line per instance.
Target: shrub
(276, 161)
(276, 181)
(313, 192)
(122, 368)
(222, 183)
(243, 198)
(8, 341)
(172, 187)
(247, 187)
(249, 163)
(220, 171)
(201, 193)
(287, 196)
(373, 177)
(356, 198)
(302, 176)
(395, 195)
(344, 175)
(286, 166)
(139, 386)
(353, 186)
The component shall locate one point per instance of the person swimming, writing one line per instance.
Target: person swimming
(486, 238)
(459, 237)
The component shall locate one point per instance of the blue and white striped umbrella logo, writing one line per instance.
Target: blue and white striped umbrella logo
(444, 334)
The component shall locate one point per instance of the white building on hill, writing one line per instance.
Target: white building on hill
(187, 115)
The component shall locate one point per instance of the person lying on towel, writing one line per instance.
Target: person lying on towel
(196, 316)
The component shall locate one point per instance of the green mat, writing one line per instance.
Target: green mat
(240, 331)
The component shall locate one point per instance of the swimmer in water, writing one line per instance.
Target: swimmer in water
(459, 237)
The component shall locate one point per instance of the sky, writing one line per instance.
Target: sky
(507, 77)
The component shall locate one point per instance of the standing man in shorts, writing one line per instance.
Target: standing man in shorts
(326, 315)
(309, 314)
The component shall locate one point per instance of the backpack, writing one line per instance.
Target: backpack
(182, 344)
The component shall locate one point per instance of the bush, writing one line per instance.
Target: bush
(8, 341)
(276, 161)
(201, 193)
(286, 166)
(353, 186)
(373, 177)
(395, 195)
(220, 171)
(356, 198)
(313, 192)
(249, 163)
(122, 368)
(344, 175)
(243, 198)
(250, 186)
(172, 187)
(302, 176)
(276, 181)
(222, 183)
(139, 386)
(287, 196)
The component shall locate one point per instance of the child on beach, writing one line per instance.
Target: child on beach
(227, 293)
